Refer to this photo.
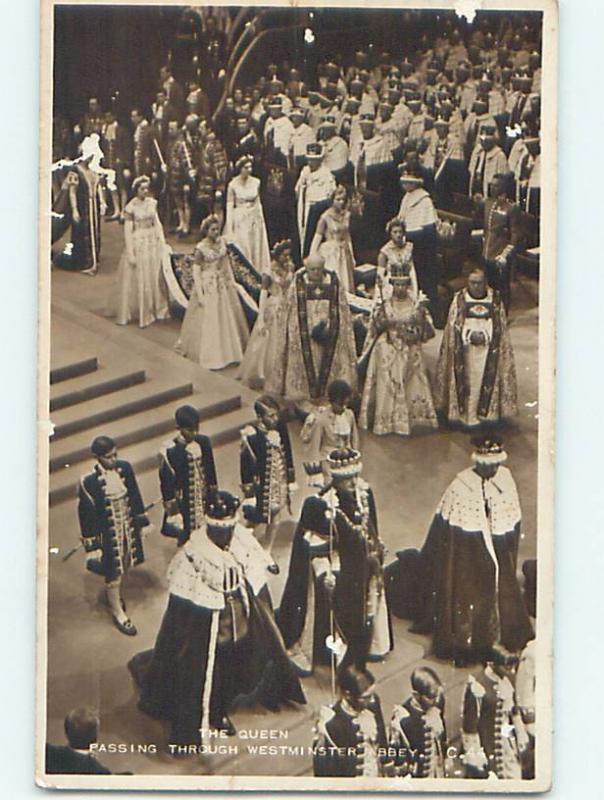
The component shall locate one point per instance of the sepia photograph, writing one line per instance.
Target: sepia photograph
(296, 396)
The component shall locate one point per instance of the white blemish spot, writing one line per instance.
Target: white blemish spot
(467, 9)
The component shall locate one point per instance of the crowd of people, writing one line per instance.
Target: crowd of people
(324, 203)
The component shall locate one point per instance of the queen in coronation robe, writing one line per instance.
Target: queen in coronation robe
(140, 292)
(218, 639)
(470, 597)
(476, 374)
(397, 397)
(317, 344)
(334, 600)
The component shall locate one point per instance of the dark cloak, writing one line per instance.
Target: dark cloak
(172, 676)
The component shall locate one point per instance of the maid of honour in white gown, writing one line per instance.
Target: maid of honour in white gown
(214, 329)
(245, 224)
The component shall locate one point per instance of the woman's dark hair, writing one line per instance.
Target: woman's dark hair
(339, 391)
(395, 222)
(207, 224)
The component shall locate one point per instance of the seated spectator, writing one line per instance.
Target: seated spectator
(75, 758)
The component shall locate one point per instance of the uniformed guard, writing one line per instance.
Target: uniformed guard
(112, 516)
(301, 136)
(418, 736)
(187, 475)
(350, 735)
(314, 190)
(277, 133)
(335, 149)
(375, 180)
(267, 469)
(493, 733)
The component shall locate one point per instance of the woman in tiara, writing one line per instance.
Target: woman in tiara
(397, 396)
(259, 356)
(245, 224)
(332, 239)
(214, 330)
(141, 292)
(397, 252)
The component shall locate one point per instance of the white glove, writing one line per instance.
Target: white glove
(94, 555)
(176, 519)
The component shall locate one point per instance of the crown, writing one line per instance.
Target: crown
(345, 463)
(488, 450)
(221, 510)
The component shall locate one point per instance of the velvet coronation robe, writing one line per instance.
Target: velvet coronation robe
(304, 366)
(214, 643)
(337, 532)
(471, 598)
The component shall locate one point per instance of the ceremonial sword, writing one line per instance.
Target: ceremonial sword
(81, 544)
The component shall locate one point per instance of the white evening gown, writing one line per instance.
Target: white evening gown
(245, 224)
(214, 330)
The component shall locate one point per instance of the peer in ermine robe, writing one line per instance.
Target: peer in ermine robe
(472, 599)
(218, 637)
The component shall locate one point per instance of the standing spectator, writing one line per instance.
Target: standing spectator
(173, 91)
(301, 136)
(419, 217)
(116, 144)
(502, 237)
(486, 161)
(278, 131)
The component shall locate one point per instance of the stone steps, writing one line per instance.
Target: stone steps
(82, 388)
(137, 427)
(100, 411)
(143, 454)
(83, 367)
